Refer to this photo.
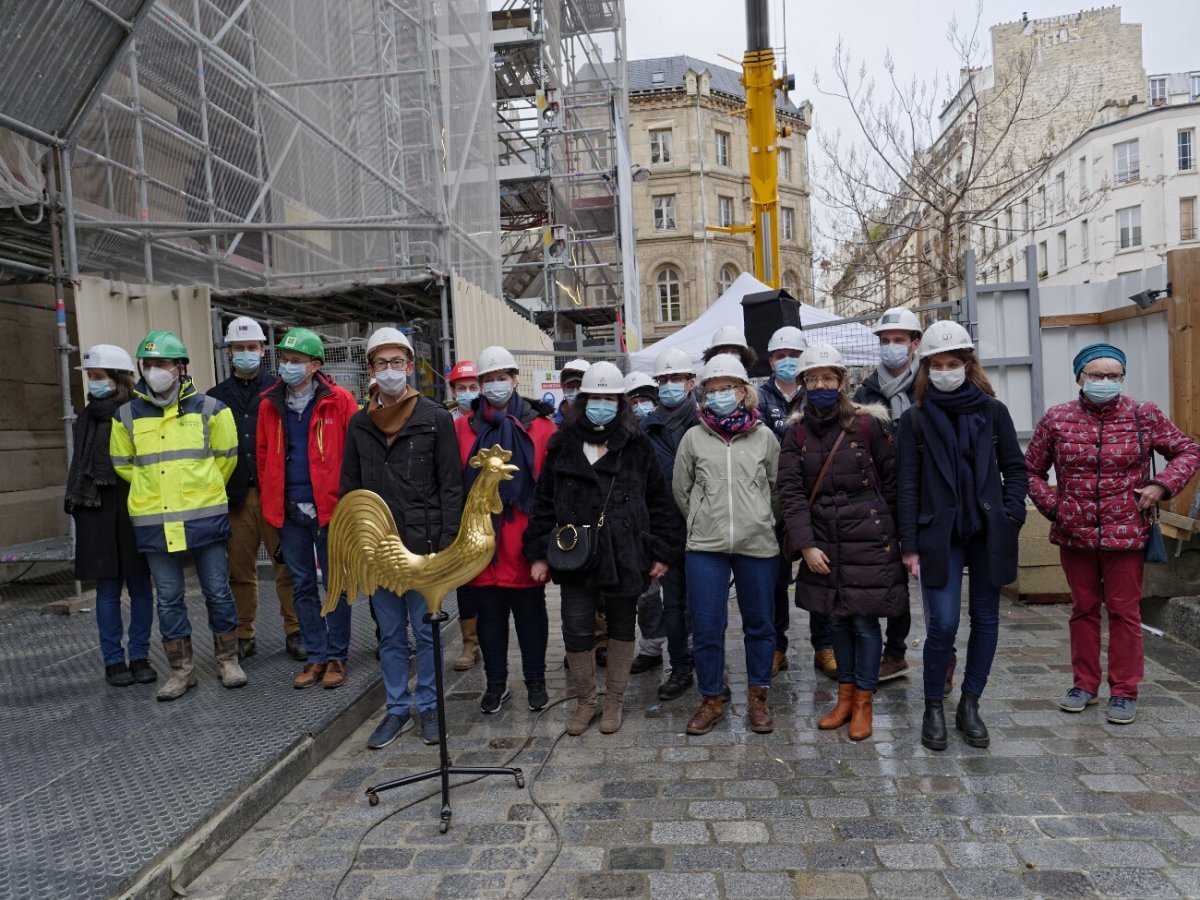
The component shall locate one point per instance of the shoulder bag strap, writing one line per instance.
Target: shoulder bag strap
(825, 468)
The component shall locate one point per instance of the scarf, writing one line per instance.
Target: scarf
(164, 402)
(895, 390)
(506, 427)
(91, 466)
(596, 434)
(959, 419)
(728, 427)
(678, 420)
(392, 418)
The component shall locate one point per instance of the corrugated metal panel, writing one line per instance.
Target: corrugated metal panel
(482, 321)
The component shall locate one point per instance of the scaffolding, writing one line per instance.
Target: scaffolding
(562, 104)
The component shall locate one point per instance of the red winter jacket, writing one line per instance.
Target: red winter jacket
(1099, 462)
(326, 440)
(509, 569)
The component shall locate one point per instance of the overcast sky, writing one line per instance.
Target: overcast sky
(915, 34)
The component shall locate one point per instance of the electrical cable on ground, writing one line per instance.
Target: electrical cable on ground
(19, 576)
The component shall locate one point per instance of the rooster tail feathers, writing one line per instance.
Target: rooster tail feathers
(359, 528)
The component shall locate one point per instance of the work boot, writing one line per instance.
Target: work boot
(620, 660)
(860, 716)
(950, 676)
(933, 726)
(226, 647)
(118, 675)
(294, 645)
(583, 676)
(759, 714)
(677, 682)
(824, 661)
(779, 662)
(711, 711)
(469, 655)
(892, 667)
(143, 672)
(644, 662)
(967, 720)
(840, 714)
(246, 647)
(183, 673)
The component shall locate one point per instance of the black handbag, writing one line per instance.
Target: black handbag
(1156, 548)
(575, 549)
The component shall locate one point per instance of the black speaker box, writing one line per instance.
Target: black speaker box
(763, 314)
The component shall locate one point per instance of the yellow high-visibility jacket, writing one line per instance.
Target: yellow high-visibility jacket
(176, 460)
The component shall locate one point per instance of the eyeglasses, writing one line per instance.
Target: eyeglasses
(1095, 377)
(816, 381)
(671, 379)
(399, 364)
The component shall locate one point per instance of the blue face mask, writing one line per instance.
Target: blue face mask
(722, 403)
(1102, 391)
(99, 389)
(293, 373)
(671, 394)
(643, 408)
(466, 398)
(824, 398)
(894, 355)
(601, 412)
(498, 393)
(787, 369)
(246, 361)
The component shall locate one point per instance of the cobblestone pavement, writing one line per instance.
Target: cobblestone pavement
(1060, 805)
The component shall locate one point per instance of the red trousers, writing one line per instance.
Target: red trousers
(1112, 579)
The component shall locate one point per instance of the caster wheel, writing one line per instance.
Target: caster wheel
(373, 799)
(520, 781)
(444, 827)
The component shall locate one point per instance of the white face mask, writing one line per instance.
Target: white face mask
(391, 382)
(947, 380)
(159, 380)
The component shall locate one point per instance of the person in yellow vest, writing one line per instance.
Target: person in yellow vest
(177, 447)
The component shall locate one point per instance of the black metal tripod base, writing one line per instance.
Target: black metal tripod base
(445, 770)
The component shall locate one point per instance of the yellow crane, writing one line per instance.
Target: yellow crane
(762, 127)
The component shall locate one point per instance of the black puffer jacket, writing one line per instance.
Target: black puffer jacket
(243, 396)
(776, 409)
(419, 476)
(641, 523)
(851, 519)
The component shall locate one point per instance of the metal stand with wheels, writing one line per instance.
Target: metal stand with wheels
(445, 770)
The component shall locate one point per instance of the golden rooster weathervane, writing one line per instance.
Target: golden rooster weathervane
(366, 553)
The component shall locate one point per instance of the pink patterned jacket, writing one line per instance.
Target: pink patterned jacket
(1099, 462)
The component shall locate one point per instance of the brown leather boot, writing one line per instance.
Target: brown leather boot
(583, 677)
(183, 673)
(840, 714)
(469, 655)
(228, 668)
(825, 662)
(711, 711)
(860, 717)
(779, 662)
(620, 659)
(759, 714)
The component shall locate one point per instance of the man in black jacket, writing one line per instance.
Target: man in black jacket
(246, 342)
(402, 447)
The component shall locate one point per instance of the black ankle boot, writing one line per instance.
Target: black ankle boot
(933, 726)
(968, 722)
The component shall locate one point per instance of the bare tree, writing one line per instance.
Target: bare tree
(910, 191)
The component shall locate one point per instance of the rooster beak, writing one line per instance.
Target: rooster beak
(507, 472)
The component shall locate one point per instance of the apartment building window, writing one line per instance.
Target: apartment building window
(1008, 225)
(1158, 91)
(1185, 140)
(1025, 222)
(725, 279)
(787, 224)
(670, 306)
(1129, 227)
(785, 164)
(1060, 192)
(1043, 263)
(1127, 162)
(1084, 240)
(725, 211)
(1083, 188)
(1041, 205)
(722, 148)
(1062, 250)
(664, 213)
(1187, 218)
(660, 145)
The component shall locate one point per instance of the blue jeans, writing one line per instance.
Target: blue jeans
(325, 637)
(857, 644)
(393, 612)
(942, 607)
(820, 629)
(108, 617)
(527, 606)
(167, 571)
(708, 602)
(676, 624)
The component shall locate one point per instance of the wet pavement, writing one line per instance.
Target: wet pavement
(1059, 805)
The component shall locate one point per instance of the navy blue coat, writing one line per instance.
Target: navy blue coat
(665, 442)
(925, 506)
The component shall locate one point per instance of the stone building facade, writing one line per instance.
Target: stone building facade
(685, 128)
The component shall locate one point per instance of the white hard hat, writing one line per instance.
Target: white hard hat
(942, 336)
(106, 356)
(820, 356)
(575, 365)
(729, 336)
(724, 365)
(899, 319)
(388, 337)
(673, 361)
(636, 380)
(243, 328)
(602, 378)
(495, 359)
(789, 337)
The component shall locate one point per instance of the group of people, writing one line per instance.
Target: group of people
(643, 498)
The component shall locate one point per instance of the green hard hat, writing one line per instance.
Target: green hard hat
(162, 345)
(303, 341)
